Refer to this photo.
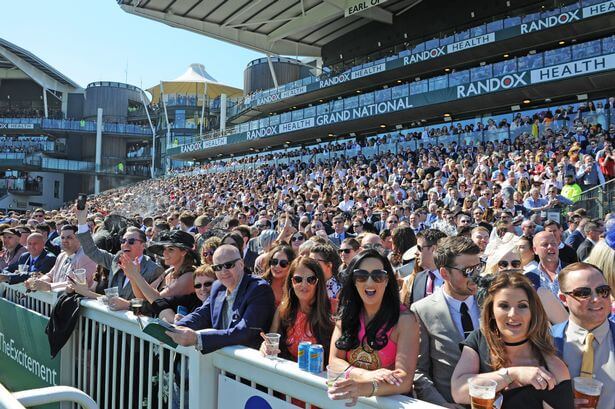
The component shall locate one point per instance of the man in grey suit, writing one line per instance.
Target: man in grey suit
(339, 235)
(593, 231)
(133, 244)
(445, 319)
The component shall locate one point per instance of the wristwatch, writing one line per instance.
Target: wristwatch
(199, 343)
(503, 372)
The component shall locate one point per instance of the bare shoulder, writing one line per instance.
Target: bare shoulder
(558, 368)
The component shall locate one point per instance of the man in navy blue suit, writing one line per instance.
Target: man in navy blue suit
(37, 259)
(239, 307)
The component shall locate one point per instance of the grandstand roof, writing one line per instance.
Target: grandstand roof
(287, 27)
(14, 58)
(196, 80)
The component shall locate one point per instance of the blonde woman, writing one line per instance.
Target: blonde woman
(602, 256)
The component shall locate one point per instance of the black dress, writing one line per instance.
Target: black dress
(526, 397)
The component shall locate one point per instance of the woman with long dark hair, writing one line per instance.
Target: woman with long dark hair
(376, 340)
(278, 266)
(305, 311)
(514, 348)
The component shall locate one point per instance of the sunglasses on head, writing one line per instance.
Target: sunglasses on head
(513, 264)
(361, 276)
(205, 284)
(227, 266)
(129, 241)
(297, 238)
(345, 251)
(602, 291)
(281, 263)
(311, 280)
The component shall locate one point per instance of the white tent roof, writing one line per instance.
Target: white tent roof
(195, 73)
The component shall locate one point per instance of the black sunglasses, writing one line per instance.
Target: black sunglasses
(205, 284)
(297, 238)
(513, 264)
(129, 241)
(470, 271)
(227, 266)
(361, 276)
(311, 280)
(281, 263)
(345, 251)
(209, 253)
(603, 291)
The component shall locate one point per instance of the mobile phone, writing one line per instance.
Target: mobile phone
(81, 200)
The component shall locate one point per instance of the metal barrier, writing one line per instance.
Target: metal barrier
(112, 360)
(598, 201)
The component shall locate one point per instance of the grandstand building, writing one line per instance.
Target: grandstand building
(399, 67)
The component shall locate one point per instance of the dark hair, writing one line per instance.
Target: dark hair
(350, 307)
(330, 256)
(403, 239)
(139, 232)
(69, 227)
(243, 230)
(550, 222)
(321, 324)
(451, 247)
(237, 238)
(44, 227)
(287, 250)
(431, 236)
(352, 242)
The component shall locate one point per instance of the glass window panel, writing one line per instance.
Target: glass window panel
(439, 82)
(263, 122)
(274, 120)
(323, 108)
(512, 21)
(253, 125)
(530, 62)
(297, 115)
(419, 87)
(309, 112)
(286, 117)
(553, 57)
(504, 67)
(495, 26)
(463, 35)
(480, 73)
(457, 78)
(586, 50)
(447, 40)
(352, 102)
(383, 95)
(338, 105)
(478, 30)
(433, 43)
(530, 17)
(366, 99)
(418, 48)
(608, 44)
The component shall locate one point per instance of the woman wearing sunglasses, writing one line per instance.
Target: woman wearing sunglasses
(376, 340)
(296, 240)
(305, 311)
(208, 248)
(278, 265)
(514, 348)
(507, 259)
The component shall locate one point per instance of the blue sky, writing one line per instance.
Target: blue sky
(93, 40)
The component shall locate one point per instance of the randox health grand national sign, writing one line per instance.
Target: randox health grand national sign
(25, 360)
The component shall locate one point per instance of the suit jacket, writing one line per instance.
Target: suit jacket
(150, 270)
(252, 312)
(44, 263)
(419, 287)
(568, 255)
(575, 239)
(57, 275)
(336, 241)
(584, 249)
(438, 350)
(249, 259)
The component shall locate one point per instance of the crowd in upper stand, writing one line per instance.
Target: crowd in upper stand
(390, 262)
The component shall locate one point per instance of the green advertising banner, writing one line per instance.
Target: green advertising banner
(25, 361)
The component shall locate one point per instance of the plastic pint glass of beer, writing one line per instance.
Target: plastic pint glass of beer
(588, 389)
(482, 393)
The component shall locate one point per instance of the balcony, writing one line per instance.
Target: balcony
(22, 186)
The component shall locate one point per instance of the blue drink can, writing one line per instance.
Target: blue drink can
(303, 355)
(317, 356)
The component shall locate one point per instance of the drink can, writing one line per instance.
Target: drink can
(181, 310)
(303, 355)
(317, 356)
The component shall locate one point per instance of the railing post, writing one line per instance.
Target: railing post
(202, 380)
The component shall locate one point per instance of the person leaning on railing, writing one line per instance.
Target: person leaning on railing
(376, 341)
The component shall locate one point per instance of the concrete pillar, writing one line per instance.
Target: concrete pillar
(222, 112)
(65, 104)
(99, 127)
(45, 102)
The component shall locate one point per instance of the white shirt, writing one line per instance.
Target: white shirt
(454, 307)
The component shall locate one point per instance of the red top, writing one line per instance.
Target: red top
(299, 332)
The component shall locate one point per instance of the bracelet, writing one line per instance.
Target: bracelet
(374, 388)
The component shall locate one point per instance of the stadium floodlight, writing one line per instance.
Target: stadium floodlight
(526, 101)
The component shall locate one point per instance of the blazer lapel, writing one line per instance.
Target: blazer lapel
(217, 307)
(442, 312)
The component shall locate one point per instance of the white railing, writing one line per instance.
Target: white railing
(54, 394)
(41, 302)
(112, 360)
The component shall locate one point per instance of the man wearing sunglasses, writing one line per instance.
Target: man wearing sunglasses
(586, 341)
(428, 279)
(132, 243)
(445, 318)
(239, 307)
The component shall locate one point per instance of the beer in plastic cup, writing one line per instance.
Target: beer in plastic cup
(273, 340)
(482, 393)
(112, 292)
(588, 389)
(334, 373)
(79, 275)
(22, 268)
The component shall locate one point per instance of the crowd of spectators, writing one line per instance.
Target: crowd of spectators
(25, 144)
(476, 242)
(17, 112)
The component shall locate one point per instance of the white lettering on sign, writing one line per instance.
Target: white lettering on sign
(262, 133)
(424, 55)
(202, 145)
(343, 77)
(296, 125)
(571, 69)
(550, 21)
(364, 72)
(16, 126)
(292, 92)
(492, 85)
(598, 9)
(353, 6)
(470, 43)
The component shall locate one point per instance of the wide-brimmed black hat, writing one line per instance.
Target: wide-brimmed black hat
(175, 238)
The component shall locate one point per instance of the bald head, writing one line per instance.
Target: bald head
(371, 239)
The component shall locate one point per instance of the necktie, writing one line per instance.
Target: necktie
(430, 283)
(587, 365)
(466, 320)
